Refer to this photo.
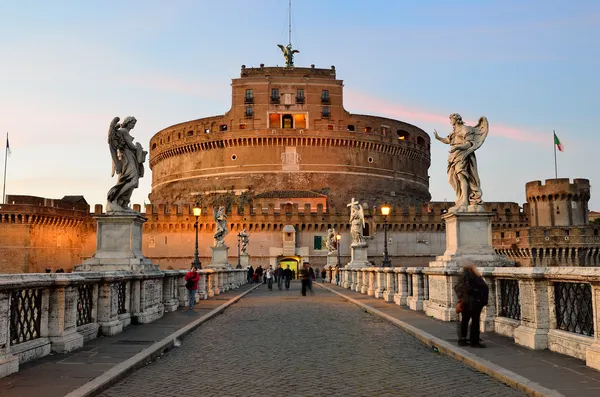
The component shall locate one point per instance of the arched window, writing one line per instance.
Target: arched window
(420, 141)
(402, 135)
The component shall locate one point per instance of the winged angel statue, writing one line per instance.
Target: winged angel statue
(127, 161)
(357, 224)
(220, 218)
(462, 163)
(288, 54)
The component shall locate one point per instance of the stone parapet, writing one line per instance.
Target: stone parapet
(60, 312)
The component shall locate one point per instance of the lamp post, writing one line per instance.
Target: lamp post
(197, 212)
(385, 211)
(338, 237)
(239, 265)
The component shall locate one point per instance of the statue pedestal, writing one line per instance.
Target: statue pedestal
(118, 246)
(220, 257)
(244, 260)
(358, 257)
(332, 259)
(468, 240)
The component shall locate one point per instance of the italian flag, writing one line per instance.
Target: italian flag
(559, 145)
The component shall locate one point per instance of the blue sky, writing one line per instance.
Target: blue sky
(68, 67)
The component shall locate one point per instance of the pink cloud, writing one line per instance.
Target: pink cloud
(369, 104)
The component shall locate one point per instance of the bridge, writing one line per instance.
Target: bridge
(242, 339)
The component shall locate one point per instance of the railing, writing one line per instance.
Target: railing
(555, 308)
(44, 313)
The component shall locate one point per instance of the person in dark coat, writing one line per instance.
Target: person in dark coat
(250, 274)
(472, 293)
(287, 276)
(304, 276)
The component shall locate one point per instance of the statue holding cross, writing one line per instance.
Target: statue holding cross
(357, 223)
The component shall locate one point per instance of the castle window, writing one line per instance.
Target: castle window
(287, 121)
(517, 234)
(169, 139)
(370, 159)
(179, 135)
(325, 96)
(274, 95)
(546, 233)
(557, 209)
(384, 130)
(249, 96)
(367, 129)
(190, 133)
(300, 95)
(274, 120)
(233, 157)
(300, 120)
(351, 127)
(402, 135)
(317, 243)
(420, 141)
(501, 234)
(223, 127)
(242, 126)
(154, 146)
(330, 127)
(325, 112)
(566, 232)
(249, 111)
(207, 130)
(595, 232)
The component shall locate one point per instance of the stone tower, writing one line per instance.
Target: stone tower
(558, 202)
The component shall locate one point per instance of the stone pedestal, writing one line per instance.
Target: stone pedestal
(118, 246)
(468, 239)
(220, 257)
(332, 259)
(358, 257)
(244, 260)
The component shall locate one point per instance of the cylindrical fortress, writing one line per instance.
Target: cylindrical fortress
(287, 130)
(558, 202)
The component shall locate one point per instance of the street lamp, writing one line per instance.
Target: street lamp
(197, 212)
(385, 211)
(239, 265)
(338, 237)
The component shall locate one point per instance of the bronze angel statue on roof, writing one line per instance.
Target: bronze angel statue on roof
(127, 161)
(462, 163)
(288, 54)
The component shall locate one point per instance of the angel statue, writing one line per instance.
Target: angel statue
(288, 54)
(244, 239)
(357, 223)
(462, 164)
(330, 242)
(127, 161)
(221, 219)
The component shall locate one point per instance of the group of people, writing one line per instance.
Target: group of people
(331, 274)
(280, 276)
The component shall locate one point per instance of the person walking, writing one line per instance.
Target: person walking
(287, 275)
(311, 276)
(259, 273)
(279, 276)
(336, 272)
(323, 274)
(304, 276)
(191, 284)
(250, 274)
(472, 293)
(269, 277)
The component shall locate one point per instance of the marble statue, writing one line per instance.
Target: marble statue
(357, 223)
(220, 218)
(244, 239)
(127, 161)
(330, 242)
(462, 163)
(288, 54)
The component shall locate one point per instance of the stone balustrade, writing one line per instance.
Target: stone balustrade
(555, 308)
(59, 312)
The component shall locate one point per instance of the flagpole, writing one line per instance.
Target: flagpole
(554, 144)
(4, 184)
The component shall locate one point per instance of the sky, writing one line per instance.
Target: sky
(531, 67)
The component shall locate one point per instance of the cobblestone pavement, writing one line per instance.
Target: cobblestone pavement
(280, 343)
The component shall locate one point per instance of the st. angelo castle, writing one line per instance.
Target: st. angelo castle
(288, 179)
